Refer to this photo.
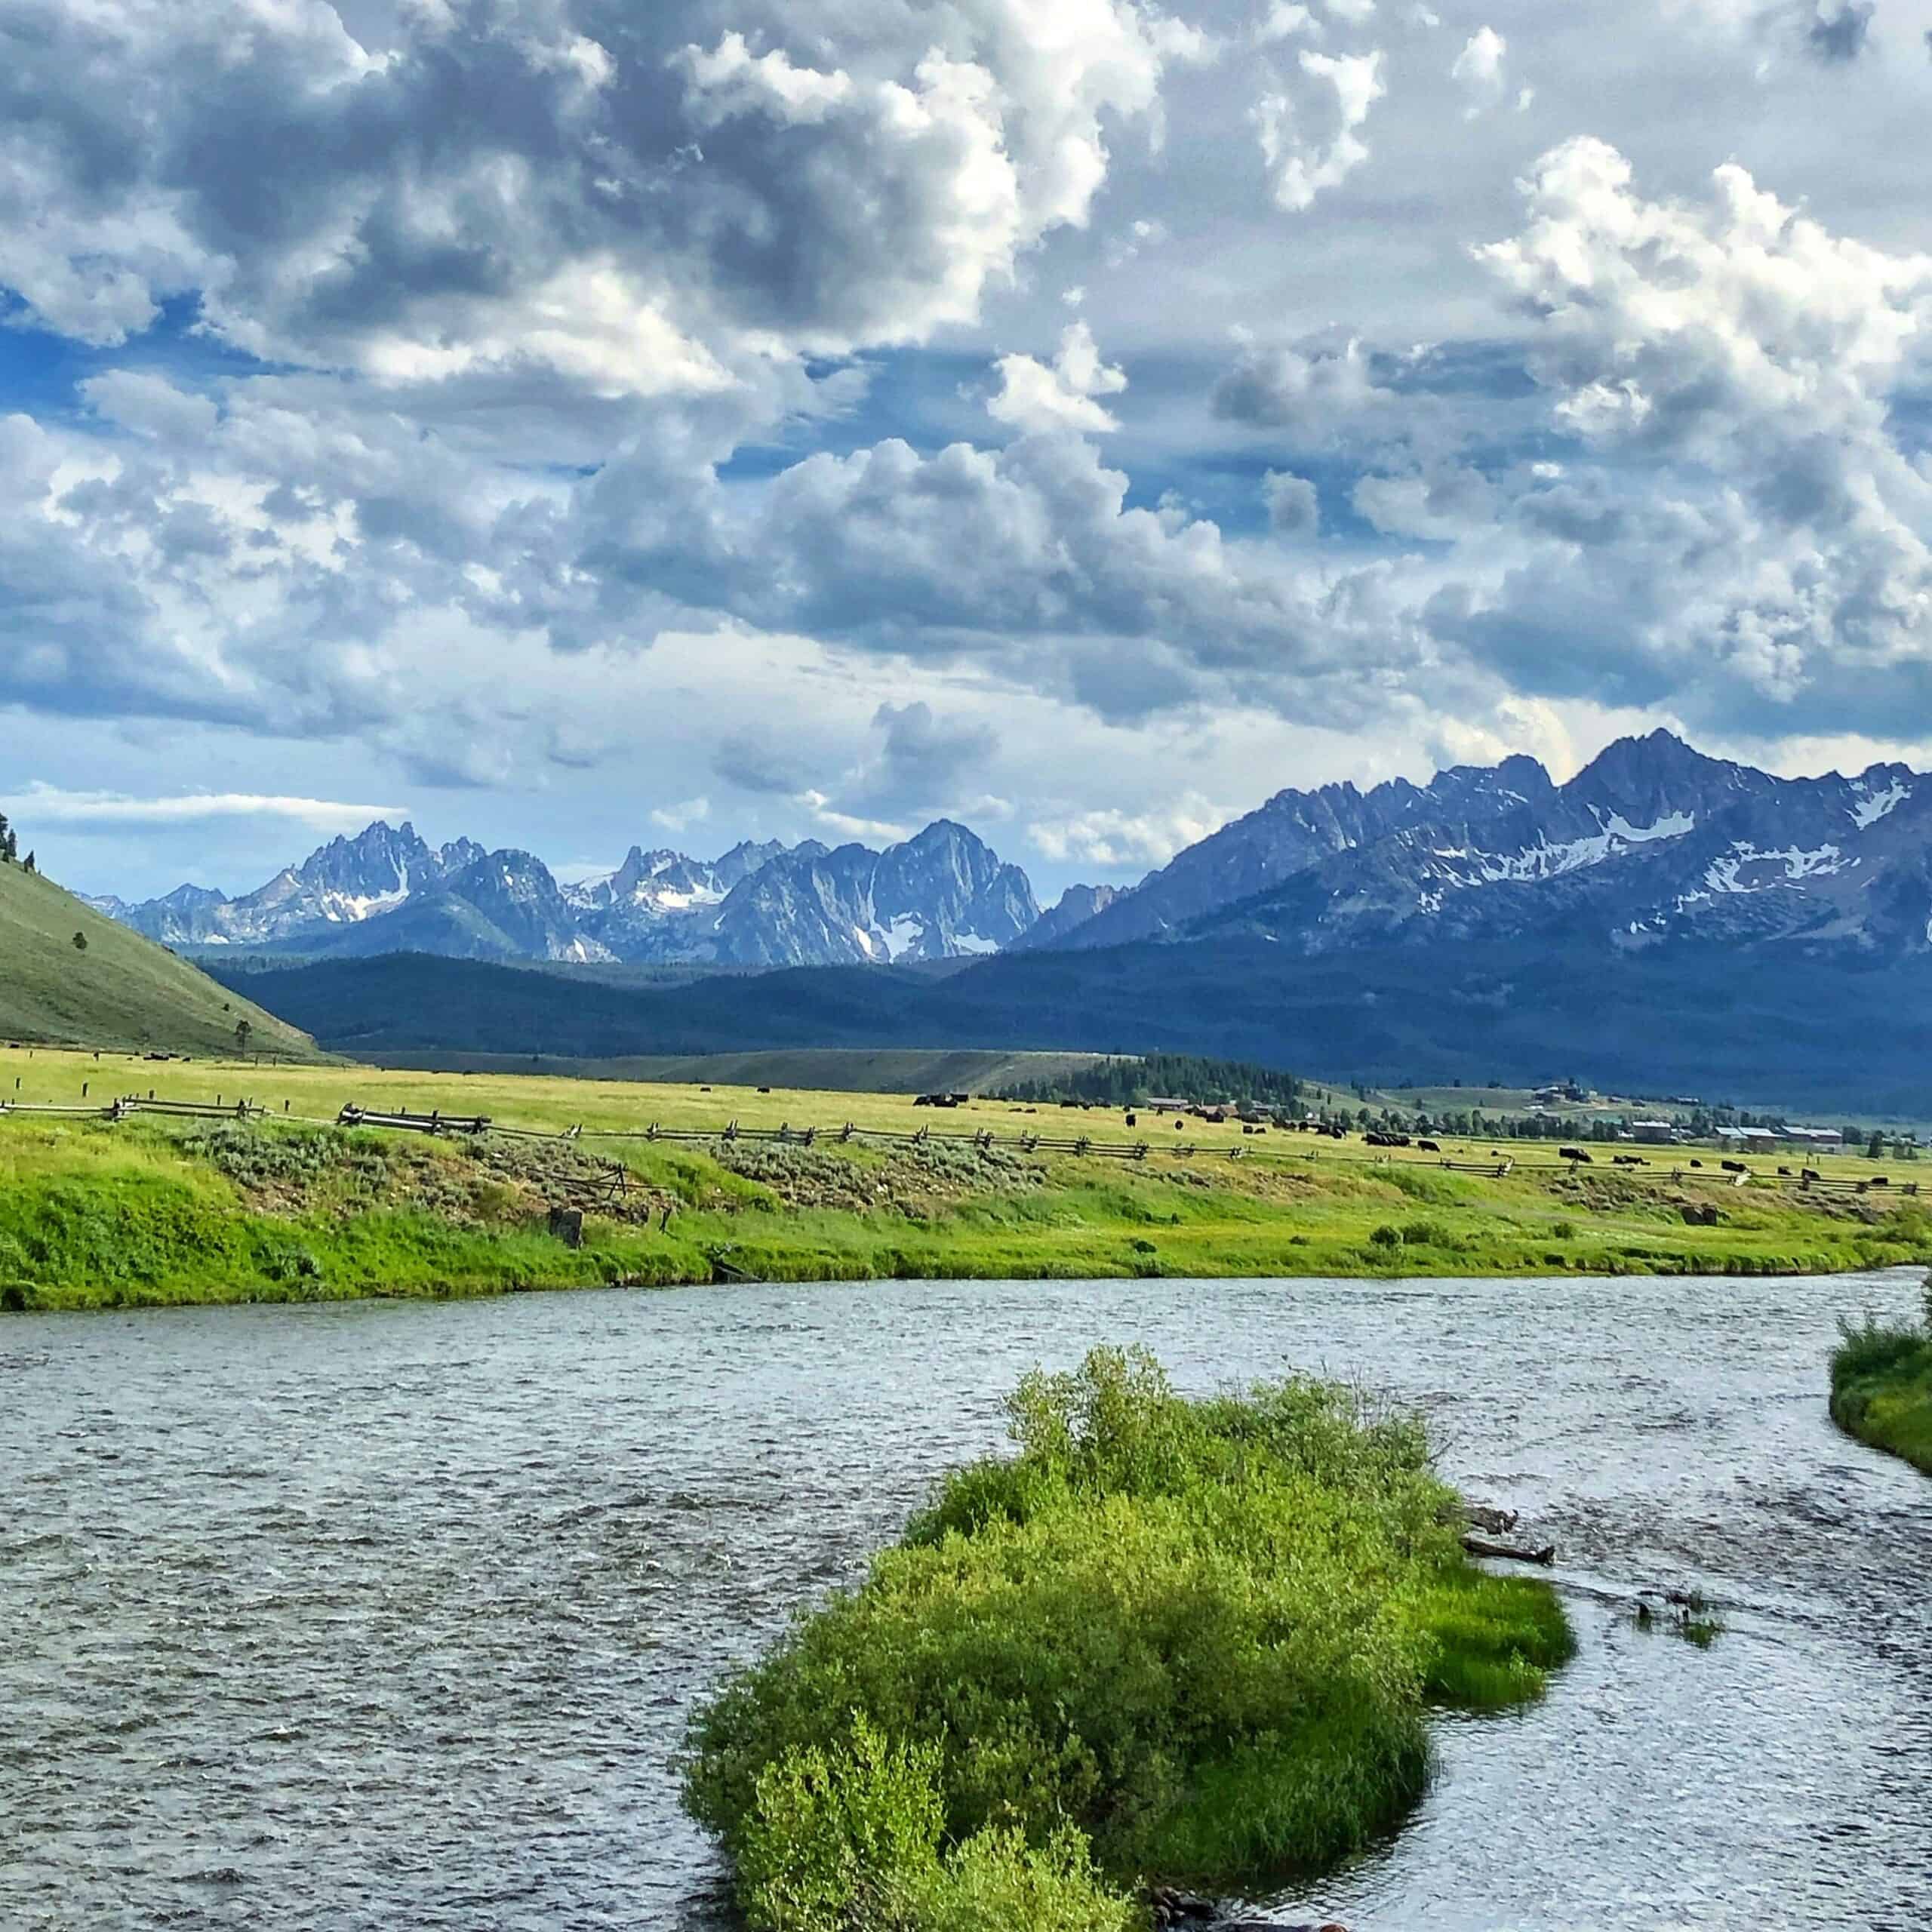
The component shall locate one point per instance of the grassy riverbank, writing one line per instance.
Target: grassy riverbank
(1881, 1387)
(1170, 1641)
(147, 1211)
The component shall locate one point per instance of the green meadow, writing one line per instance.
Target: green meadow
(152, 1211)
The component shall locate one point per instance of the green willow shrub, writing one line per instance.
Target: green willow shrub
(997, 1880)
(835, 1836)
(1192, 1639)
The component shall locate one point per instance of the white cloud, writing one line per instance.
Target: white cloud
(1033, 396)
(584, 185)
(49, 805)
(1336, 90)
(680, 817)
(149, 404)
(1116, 839)
(1478, 70)
(1284, 21)
(1741, 529)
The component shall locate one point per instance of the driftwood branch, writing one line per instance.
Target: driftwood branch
(1478, 1545)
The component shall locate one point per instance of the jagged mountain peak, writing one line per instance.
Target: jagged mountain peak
(940, 893)
(1660, 761)
(1654, 840)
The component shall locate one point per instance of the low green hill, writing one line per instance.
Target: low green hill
(119, 990)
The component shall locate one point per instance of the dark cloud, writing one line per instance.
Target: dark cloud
(755, 762)
(1842, 36)
(1294, 506)
(925, 756)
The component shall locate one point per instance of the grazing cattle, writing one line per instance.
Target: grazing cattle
(1697, 1163)
(1734, 1166)
(1784, 1173)
(1429, 1146)
(1574, 1154)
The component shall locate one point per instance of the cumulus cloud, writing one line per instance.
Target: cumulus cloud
(575, 184)
(149, 405)
(1741, 529)
(1310, 130)
(1115, 839)
(1478, 70)
(925, 757)
(1312, 388)
(1294, 506)
(1034, 395)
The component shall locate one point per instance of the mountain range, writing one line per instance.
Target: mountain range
(1652, 845)
(943, 894)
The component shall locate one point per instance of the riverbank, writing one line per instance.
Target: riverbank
(151, 1211)
(1881, 1387)
(1178, 1640)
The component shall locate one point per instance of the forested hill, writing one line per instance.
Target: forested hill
(1798, 1032)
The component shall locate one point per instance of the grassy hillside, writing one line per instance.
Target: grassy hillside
(120, 991)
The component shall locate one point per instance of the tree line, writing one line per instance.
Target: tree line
(1132, 1083)
(9, 848)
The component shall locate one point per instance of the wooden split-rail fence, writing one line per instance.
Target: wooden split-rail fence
(983, 1141)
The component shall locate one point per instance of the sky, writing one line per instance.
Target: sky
(573, 423)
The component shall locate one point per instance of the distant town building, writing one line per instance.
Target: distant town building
(1653, 1133)
(1824, 1139)
(1746, 1136)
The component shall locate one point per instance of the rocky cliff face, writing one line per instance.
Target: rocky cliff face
(941, 895)
(1075, 907)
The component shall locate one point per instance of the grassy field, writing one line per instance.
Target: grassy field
(820, 1070)
(149, 1210)
(119, 989)
(1881, 1388)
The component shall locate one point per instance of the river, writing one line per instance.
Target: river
(388, 1615)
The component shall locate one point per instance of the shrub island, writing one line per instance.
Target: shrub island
(1176, 1641)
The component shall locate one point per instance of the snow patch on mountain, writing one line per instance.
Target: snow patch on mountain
(1872, 806)
(1724, 874)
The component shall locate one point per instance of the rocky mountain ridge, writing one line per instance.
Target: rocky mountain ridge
(1651, 843)
(942, 894)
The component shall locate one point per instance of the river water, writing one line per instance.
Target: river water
(389, 1615)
